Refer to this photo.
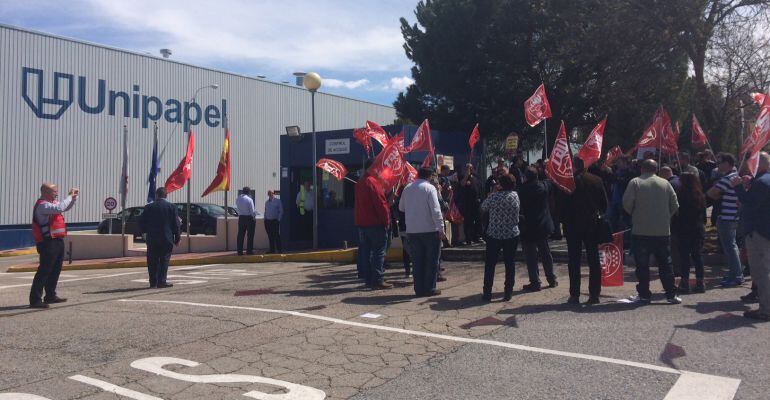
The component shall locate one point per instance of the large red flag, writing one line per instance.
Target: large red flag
(182, 173)
(377, 133)
(333, 167)
(362, 137)
(761, 134)
(389, 166)
(421, 141)
(759, 98)
(409, 175)
(659, 134)
(612, 261)
(591, 151)
(221, 181)
(537, 108)
(475, 137)
(698, 136)
(613, 155)
(399, 141)
(559, 166)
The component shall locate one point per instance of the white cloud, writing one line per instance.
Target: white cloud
(336, 83)
(400, 83)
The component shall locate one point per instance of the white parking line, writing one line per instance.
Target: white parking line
(708, 387)
(109, 387)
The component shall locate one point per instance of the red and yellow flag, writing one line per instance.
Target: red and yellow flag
(221, 181)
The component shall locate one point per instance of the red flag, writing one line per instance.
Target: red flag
(612, 261)
(221, 181)
(421, 141)
(698, 136)
(753, 162)
(454, 216)
(377, 133)
(759, 98)
(409, 175)
(613, 155)
(428, 160)
(362, 137)
(399, 141)
(758, 139)
(389, 166)
(591, 151)
(332, 167)
(659, 134)
(559, 166)
(475, 137)
(536, 108)
(182, 173)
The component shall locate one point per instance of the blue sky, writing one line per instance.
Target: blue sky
(356, 46)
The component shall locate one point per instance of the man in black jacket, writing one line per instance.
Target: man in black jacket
(160, 222)
(470, 200)
(536, 225)
(579, 211)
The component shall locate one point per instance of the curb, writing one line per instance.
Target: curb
(18, 252)
(327, 256)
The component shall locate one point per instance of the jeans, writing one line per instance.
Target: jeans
(690, 248)
(727, 231)
(246, 224)
(509, 256)
(533, 250)
(371, 253)
(51, 253)
(660, 247)
(425, 250)
(273, 229)
(158, 256)
(575, 251)
(759, 257)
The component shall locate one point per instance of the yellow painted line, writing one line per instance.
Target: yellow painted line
(18, 252)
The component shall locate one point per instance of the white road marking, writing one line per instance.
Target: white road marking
(711, 387)
(109, 387)
(21, 396)
(371, 315)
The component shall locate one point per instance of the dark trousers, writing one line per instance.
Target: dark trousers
(660, 247)
(534, 250)
(246, 224)
(158, 256)
(273, 229)
(690, 247)
(305, 226)
(425, 250)
(575, 251)
(372, 245)
(405, 253)
(509, 257)
(47, 276)
(471, 222)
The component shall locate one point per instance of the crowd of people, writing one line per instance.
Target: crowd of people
(660, 206)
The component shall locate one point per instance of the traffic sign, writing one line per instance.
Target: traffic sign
(512, 142)
(110, 216)
(110, 203)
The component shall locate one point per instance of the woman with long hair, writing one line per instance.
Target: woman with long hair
(690, 224)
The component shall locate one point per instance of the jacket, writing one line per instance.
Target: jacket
(160, 222)
(651, 202)
(371, 207)
(535, 222)
(578, 210)
(756, 205)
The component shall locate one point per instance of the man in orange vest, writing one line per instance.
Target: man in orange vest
(49, 230)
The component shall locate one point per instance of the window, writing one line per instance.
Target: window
(336, 194)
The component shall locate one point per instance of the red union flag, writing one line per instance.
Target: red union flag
(332, 167)
(421, 141)
(659, 134)
(409, 175)
(591, 151)
(613, 155)
(537, 108)
(698, 136)
(759, 98)
(377, 133)
(475, 137)
(761, 134)
(389, 166)
(363, 138)
(612, 261)
(182, 173)
(399, 141)
(559, 166)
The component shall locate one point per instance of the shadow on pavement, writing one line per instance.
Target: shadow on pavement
(379, 300)
(716, 306)
(560, 307)
(125, 290)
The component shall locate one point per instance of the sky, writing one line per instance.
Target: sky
(356, 46)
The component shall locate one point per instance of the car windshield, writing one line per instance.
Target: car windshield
(213, 209)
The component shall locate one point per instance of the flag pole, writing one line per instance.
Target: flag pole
(227, 188)
(189, 188)
(545, 137)
(124, 190)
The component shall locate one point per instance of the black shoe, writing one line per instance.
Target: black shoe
(552, 284)
(487, 297)
(442, 269)
(433, 293)
(39, 304)
(440, 279)
(531, 287)
(165, 285)
(750, 298)
(249, 253)
(573, 300)
(508, 295)
(592, 300)
(240, 253)
(153, 286)
(699, 288)
(54, 300)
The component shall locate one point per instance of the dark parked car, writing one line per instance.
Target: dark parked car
(203, 217)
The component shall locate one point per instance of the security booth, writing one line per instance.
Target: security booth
(336, 199)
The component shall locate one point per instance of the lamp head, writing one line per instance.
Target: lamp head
(214, 86)
(312, 81)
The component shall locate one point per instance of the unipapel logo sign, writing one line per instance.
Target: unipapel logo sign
(51, 99)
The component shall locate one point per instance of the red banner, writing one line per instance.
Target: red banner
(389, 166)
(559, 166)
(332, 167)
(613, 155)
(422, 140)
(409, 175)
(759, 138)
(377, 133)
(759, 98)
(454, 216)
(591, 151)
(698, 136)
(659, 134)
(612, 261)
(537, 108)
(475, 137)
(362, 137)
(182, 173)
(399, 141)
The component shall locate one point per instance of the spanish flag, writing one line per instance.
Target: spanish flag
(221, 181)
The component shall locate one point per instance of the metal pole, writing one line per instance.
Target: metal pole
(545, 137)
(189, 191)
(227, 228)
(124, 190)
(315, 175)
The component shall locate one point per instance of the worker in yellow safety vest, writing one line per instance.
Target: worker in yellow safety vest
(306, 206)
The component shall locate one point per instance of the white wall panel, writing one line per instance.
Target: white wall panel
(83, 149)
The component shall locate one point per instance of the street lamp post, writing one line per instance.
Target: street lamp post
(189, 183)
(312, 82)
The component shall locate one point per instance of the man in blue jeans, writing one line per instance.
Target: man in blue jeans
(727, 222)
(425, 229)
(372, 217)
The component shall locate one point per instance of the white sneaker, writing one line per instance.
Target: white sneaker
(674, 300)
(636, 299)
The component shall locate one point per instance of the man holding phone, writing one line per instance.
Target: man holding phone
(49, 230)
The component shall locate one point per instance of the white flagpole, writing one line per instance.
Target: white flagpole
(124, 189)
